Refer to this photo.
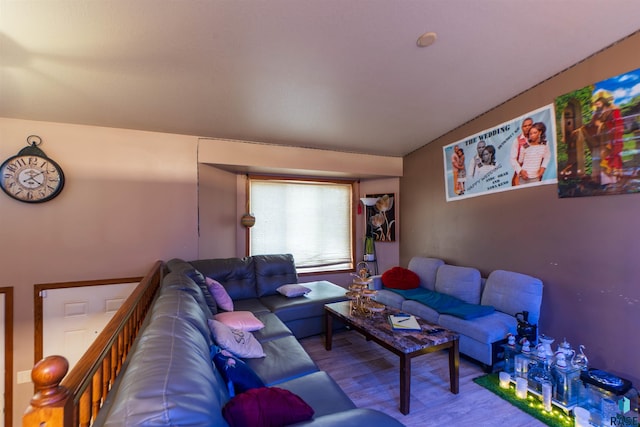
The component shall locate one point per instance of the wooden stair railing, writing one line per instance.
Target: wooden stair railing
(74, 400)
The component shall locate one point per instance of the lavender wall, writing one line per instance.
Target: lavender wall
(586, 250)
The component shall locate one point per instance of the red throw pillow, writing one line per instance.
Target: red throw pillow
(266, 407)
(400, 278)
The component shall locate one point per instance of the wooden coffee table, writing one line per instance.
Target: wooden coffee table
(406, 345)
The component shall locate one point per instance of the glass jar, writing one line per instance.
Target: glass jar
(509, 352)
(521, 364)
(567, 385)
(538, 373)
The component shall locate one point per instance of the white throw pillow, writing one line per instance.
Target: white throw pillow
(293, 290)
(239, 343)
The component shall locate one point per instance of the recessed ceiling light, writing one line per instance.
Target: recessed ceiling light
(427, 39)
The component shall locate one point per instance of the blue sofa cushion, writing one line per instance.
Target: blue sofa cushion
(238, 376)
(389, 298)
(468, 311)
(445, 304)
(436, 300)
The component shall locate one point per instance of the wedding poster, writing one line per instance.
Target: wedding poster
(513, 155)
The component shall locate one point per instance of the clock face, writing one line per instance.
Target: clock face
(31, 178)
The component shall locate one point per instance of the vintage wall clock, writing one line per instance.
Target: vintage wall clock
(30, 176)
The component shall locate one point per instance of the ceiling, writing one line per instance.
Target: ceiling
(334, 74)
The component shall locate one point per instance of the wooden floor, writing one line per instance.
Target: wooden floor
(369, 374)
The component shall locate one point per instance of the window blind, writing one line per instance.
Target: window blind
(311, 220)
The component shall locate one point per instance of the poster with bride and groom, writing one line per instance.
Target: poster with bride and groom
(512, 155)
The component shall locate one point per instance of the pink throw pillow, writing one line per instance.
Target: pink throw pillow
(219, 294)
(243, 320)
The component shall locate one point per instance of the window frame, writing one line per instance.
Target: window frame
(351, 182)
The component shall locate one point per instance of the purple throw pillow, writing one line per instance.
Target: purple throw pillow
(220, 294)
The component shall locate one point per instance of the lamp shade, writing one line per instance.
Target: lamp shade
(369, 201)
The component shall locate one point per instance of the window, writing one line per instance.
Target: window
(310, 219)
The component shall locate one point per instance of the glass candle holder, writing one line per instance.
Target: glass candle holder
(582, 416)
(547, 391)
(522, 365)
(521, 388)
(505, 378)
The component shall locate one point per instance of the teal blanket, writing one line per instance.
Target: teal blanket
(445, 304)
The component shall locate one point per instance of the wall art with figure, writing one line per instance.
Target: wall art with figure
(599, 138)
(381, 218)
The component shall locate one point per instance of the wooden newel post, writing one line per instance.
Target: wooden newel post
(47, 408)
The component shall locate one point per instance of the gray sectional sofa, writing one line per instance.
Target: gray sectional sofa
(169, 379)
(252, 281)
(488, 305)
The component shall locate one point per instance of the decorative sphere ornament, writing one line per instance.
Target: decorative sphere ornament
(248, 220)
